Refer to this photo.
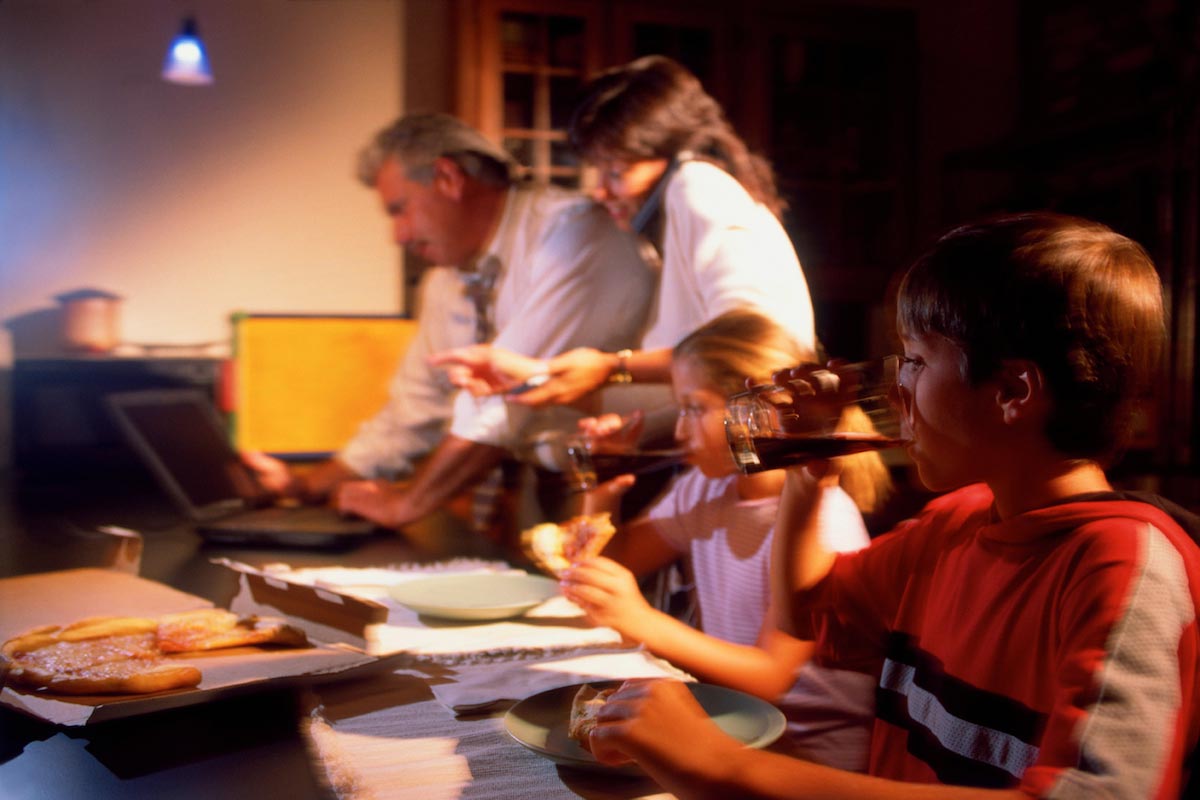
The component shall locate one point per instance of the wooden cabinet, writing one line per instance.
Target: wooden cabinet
(838, 121)
(1110, 130)
(527, 61)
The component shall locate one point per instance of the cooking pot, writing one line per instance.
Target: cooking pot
(91, 320)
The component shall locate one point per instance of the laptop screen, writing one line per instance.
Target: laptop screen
(181, 438)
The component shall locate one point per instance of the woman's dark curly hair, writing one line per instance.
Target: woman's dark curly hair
(654, 108)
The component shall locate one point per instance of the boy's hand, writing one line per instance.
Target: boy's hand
(809, 400)
(659, 724)
(812, 398)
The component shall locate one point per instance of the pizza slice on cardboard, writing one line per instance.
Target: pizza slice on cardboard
(130, 655)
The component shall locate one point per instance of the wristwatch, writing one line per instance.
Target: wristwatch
(621, 374)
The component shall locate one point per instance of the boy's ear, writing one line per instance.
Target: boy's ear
(1022, 393)
(448, 178)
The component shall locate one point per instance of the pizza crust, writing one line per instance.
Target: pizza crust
(585, 707)
(553, 546)
(134, 676)
(216, 628)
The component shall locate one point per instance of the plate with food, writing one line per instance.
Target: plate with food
(475, 596)
(552, 723)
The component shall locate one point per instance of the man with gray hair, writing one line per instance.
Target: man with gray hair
(538, 270)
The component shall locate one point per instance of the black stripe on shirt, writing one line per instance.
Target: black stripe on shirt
(961, 754)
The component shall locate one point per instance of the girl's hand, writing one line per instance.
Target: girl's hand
(608, 593)
(607, 496)
(613, 433)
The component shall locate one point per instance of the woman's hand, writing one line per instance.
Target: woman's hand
(573, 374)
(608, 593)
(482, 369)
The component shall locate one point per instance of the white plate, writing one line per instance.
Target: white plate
(475, 596)
(539, 722)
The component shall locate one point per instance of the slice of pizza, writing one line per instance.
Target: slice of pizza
(131, 655)
(216, 628)
(99, 655)
(129, 676)
(584, 710)
(555, 546)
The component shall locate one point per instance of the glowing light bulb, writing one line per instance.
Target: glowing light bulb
(187, 62)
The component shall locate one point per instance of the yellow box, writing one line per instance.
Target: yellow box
(299, 385)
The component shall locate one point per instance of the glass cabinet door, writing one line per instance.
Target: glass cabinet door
(534, 58)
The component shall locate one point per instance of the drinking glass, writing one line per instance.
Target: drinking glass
(565, 453)
(584, 462)
(821, 413)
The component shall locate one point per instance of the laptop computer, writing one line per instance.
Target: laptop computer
(181, 439)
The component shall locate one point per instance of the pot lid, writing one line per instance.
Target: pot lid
(85, 294)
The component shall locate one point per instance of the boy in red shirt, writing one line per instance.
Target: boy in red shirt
(1032, 632)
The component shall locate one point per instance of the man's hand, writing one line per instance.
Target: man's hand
(378, 501)
(482, 369)
(272, 474)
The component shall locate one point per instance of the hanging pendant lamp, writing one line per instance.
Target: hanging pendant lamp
(187, 61)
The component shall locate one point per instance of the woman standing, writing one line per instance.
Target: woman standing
(670, 168)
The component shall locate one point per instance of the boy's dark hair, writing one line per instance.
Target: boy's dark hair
(1082, 302)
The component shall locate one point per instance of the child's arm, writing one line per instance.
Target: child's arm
(609, 594)
(799, 557)
(660, 725)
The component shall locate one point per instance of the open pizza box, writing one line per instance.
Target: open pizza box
(324, 613)
(57, 598)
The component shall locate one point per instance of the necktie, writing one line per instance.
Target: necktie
(479, 286)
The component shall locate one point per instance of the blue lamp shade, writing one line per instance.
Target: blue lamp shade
(187, 62)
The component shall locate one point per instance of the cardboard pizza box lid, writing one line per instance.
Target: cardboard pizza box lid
(325, 614)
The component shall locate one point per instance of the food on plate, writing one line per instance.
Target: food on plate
(584, 708)
(216, 628)
(555, 546)
(129, 655)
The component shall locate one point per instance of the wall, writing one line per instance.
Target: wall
(191, 202)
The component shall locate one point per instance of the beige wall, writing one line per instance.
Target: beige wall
(191, 203)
